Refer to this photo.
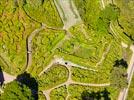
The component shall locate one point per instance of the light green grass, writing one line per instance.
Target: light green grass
(57, 74)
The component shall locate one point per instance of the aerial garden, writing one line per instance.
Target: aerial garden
(92, 49)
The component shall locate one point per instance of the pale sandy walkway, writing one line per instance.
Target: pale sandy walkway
(29, 45)
(69, 81)
(103, 56)
(63, 62)
(102, 2)
(130, 71)
(67, 9)
(8, 78)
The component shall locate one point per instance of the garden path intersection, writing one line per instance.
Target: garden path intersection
(72, 54)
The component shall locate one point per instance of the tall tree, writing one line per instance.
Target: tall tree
(118, 77)
(16, 91)
(99, 95)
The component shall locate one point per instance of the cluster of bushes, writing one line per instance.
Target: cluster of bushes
(59, 93)
(121, 34)
(75, 50)
(110, 13)
(44, 46)
(104, 68)
(54, 76)
(80, 92)
(79, 48)
(125, 21)
(23, 87)
(16, 90)
(43, 11)
(89, 11)
(14, 28)
(101, 19)
(85, 47)
(86, 76)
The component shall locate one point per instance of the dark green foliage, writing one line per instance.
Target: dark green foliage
(26, 79)
(78, 92)
(100, 95)
(121, 63)
(16, 91)
(95, 18)
(110, 13)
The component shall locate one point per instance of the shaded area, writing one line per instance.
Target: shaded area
(16, 91)
(1, 77)
(100, 95)
(28, 80)
(121, 63)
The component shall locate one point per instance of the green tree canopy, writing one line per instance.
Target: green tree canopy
(110, 13)
(99, 95)
(16, 91)
(118, 77)
(121, 63)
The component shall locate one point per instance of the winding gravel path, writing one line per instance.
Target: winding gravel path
(30, 38)
(103, 56)
(63, 62)
(69, 80)
(68, 64)
(123, 93)
(29, 45)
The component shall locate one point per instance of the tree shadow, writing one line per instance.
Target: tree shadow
(1, 77)
(28, 80)
(121, 63)
(95, 95)
(105, 94)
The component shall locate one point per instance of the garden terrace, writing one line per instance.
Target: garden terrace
(15, 26)
(44, 45)
(68, 63)
(43, 12)
(125, 20)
